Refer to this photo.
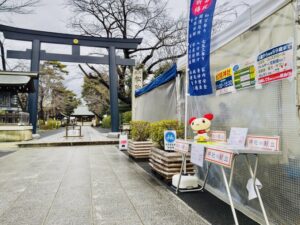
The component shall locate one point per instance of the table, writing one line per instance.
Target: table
(234, 153)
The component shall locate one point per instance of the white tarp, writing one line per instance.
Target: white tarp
(252, 16)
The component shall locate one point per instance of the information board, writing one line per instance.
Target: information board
(224, 81)
(275, 64)
(169, 139)
(244, 77)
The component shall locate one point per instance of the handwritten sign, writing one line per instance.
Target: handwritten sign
(219, 157)
(181, 146)
(218, 136)
(263, 142)
(197, 154)
(237, 137)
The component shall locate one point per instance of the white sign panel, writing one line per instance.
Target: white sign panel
(275, 64)
(197, 154)
(73, 133)
(137, 83)
(181, 146)
(263, 142)
(237, 137)
(137, 79)
(218, 136)
(170, 138)
(123, 142)
(219, 157)
(224, 81)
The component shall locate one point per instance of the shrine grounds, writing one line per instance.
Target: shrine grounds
(94, 184)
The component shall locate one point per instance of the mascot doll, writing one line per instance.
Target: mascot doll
(200, 127)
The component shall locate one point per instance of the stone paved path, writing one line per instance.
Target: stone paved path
(84, 185)
(89, 134)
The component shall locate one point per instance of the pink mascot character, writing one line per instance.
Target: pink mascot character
(200, 126)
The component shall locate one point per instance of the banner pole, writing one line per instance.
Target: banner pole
(187, 73)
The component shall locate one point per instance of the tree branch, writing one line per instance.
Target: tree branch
(149, 70)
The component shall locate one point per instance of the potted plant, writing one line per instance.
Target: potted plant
(140, 145)
(163, 162)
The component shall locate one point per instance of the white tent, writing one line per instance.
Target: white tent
(271, 109)
(251, 17)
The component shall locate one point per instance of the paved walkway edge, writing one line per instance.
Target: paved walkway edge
(175, 200)
(71, 143)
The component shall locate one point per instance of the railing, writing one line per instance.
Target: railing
(73, 131)
(15, 118)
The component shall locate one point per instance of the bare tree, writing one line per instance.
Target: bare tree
(14, 6)
(17, 6)
(164, 36)
(226, 13)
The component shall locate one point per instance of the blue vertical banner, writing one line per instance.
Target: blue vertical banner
(199, 36)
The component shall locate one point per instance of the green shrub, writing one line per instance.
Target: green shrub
(157, 130)
(126, 117)
(50, 124)
(41, 122)
(140, 130)
(106, 122)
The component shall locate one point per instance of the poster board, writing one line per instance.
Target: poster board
(224, 81)
(197, 154)
(276, 63)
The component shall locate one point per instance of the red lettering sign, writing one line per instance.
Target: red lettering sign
(200, 6)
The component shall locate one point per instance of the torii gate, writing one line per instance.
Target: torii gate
(76, 41)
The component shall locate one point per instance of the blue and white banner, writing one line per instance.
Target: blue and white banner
(200, 26)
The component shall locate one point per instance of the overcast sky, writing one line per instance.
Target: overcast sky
(52, 15)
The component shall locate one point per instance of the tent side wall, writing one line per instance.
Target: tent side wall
(159, 104)
(272, 109)
(269, 110)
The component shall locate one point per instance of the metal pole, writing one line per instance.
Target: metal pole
(229, 196)
(206, 176)
(185, 103)
(2, 56)
(113, 84)
(231, 172)
(253, 175)
(33, 97)
(180, 174)
(186, 76)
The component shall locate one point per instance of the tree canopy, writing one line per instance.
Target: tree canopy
(96, 96)
(54, 97)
